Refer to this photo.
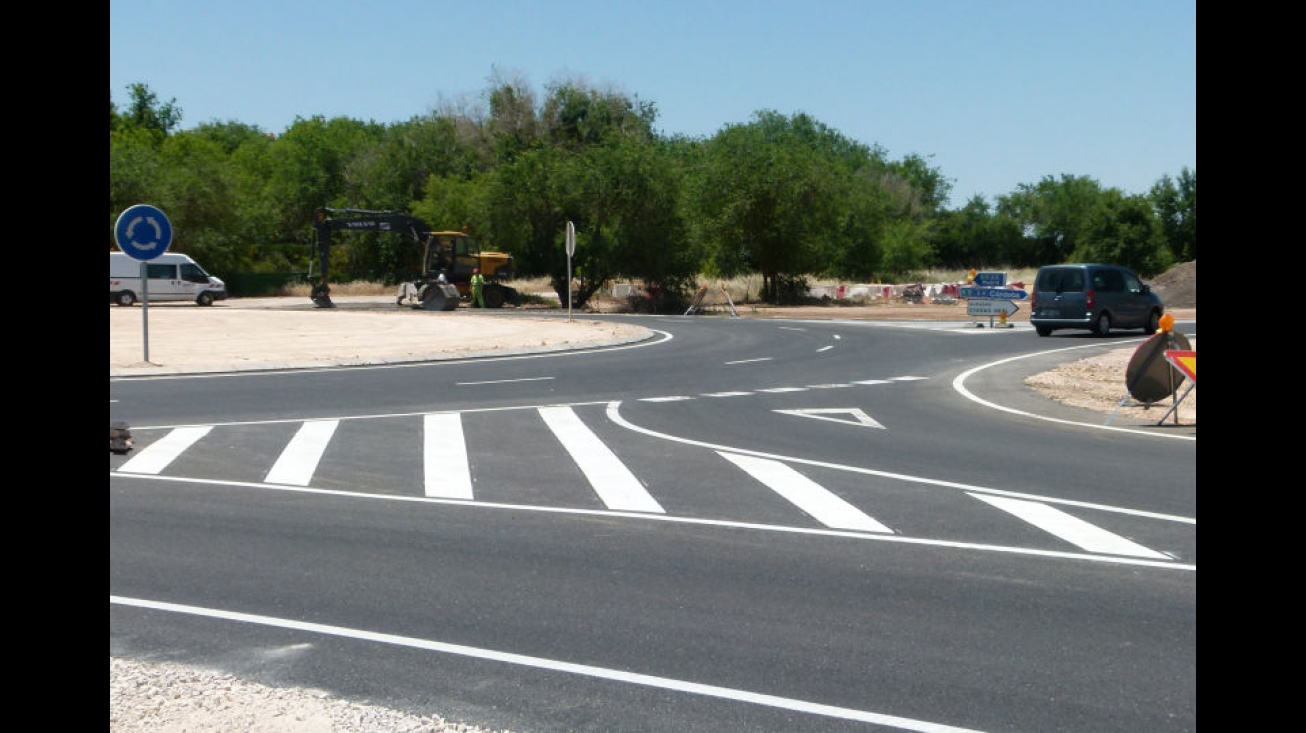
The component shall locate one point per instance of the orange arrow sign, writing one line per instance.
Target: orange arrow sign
(1184, 361)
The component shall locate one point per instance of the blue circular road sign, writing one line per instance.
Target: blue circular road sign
(143, 232)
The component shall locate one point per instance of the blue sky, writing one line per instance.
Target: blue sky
(993, 93)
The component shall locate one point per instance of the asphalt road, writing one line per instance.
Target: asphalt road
(735, 525)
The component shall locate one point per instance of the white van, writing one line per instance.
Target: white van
(172, 277)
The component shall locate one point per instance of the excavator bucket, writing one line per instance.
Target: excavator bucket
(440, 298)
(321, 296)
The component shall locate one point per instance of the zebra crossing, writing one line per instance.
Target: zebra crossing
(450, 463)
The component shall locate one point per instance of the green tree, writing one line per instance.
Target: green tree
(855, 250)
(1055, 214)
(513, 126)
(595, 163)
(575, 116)
(197, 190)
(1126, 232)
(145, 111)
(525, 210)
(260, 239)
(135, 137)
(452, 203)
(135, 167)
(115, 119)
(315, 164)
(1176, 205)
(976, 237)
(930, 189)
(625, 208)
(749, 198)
(786, 197)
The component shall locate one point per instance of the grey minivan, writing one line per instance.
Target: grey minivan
(1094, 297)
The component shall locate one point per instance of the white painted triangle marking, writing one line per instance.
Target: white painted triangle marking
(854, 415)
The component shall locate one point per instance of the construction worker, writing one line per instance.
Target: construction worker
(478, 289)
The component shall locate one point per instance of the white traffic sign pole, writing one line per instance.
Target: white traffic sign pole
(571, 250)
(145, 307)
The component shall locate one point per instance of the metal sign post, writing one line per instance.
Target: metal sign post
(571, 250)
(145, 309)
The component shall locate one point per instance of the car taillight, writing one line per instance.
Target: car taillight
(1089, 297)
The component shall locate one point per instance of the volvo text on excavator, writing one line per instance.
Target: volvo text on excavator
(448, 259)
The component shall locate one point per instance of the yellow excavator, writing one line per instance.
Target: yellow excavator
(448, 260)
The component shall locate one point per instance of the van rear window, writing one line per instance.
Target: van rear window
(1060, 280)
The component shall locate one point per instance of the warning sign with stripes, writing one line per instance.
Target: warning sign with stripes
(1184, 361)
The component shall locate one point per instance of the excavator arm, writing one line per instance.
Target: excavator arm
(326, 221)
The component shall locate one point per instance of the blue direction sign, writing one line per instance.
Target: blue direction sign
(990, 279)
(143, 232)
(993, 293)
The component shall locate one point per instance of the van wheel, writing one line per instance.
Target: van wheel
(1102, 326)
(205, 298)
(125, 298)
(1043, 330)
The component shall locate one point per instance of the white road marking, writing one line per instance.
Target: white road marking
(821, 503)
(554, 665)
(156, 456)
(447, 470)
(1070, 528)
(505, 381)
(959, 384)
(299, 459)
(611, 480)
(858, 417)
(687, 521)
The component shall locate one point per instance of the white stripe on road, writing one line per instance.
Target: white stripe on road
(299, 459)
(611, 480)
(444, 453)
(156, 456)
(824, 505)
(556, 665)
(1070, 528)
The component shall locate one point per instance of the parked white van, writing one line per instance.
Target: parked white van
(172, 277)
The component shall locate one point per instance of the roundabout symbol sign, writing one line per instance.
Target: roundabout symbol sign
(143, 232)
